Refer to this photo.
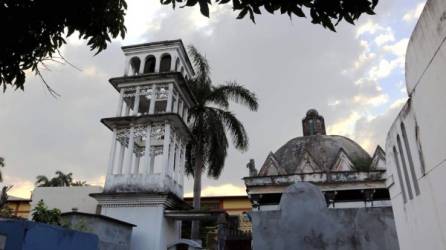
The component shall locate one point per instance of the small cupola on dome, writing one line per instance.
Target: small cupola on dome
(313, 123)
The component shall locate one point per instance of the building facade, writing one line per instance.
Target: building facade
(149, 135)
(235, 206)
(416, 141)
(19, 207)
(66, 199)
(346, 174)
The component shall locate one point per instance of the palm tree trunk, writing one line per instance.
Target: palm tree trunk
(195, 231)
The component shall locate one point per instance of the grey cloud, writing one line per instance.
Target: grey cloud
(291, 65)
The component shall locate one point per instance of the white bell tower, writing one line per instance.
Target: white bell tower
(150, 133)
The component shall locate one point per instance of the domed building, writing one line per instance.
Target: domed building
(346, 174)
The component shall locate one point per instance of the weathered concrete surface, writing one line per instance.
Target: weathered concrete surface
(113, 234)
(417, 165)
(304, 222)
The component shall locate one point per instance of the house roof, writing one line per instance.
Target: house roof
(15, 198)
(98, 216)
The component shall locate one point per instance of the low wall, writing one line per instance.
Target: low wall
(304, 222)
(28, 235)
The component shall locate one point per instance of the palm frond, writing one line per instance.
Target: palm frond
(217, 144)
(200, 62)
(235, 129)
(236, 93)
(42, 181)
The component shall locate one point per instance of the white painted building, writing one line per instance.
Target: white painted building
(416, 142)
(66, 198)
(346, 174)
(150, 133)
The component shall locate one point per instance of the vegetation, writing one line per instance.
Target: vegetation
(60, 180)
(2, 164)
(211, 121)
(42, 214)
(5, 211)
(326, 13)
(35, 32)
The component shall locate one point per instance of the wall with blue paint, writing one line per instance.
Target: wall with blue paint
(28, 235)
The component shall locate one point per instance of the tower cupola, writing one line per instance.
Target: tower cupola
(313, 123)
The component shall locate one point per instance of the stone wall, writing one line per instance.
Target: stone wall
(305, 222)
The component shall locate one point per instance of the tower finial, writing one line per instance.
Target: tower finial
(313, 123)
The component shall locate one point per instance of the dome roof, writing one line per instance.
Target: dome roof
(324, 151)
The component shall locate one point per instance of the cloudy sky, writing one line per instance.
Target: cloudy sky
(354, 78)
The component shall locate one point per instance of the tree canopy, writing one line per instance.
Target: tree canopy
(60, 180)
(327, 13)
(42, 214)
(34, 31)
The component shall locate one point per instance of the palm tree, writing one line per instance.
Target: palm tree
(211, 121)
(60, 180)
(2, 164)
(64, 179)
(43, 181)
(79, 183)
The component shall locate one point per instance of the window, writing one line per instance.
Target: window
(161, 99)
(409, 158)
(165, 63)
(420, 149)
(149, 66)
(135, 63)
(398, 171)
(403, 161)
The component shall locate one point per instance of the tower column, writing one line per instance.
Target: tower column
(152, 100)
(166, 150)
(182, 165)
(180, 109)
(129, 157)
(121, 101)
(186, 111)
(136, 104)
(169, 98)
(142, 65)
(127, 109)
(121, 158)
(111, 161)
(178, 161)
(136, 165)
(173, 63)
(157, 63)
(172, 156)
(148, 168)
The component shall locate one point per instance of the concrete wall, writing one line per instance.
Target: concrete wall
(27, 235)
(417, 192)
(304, 222)
(112, 235)
(152, 229)
(66, 198)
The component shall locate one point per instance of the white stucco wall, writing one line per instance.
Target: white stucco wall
(67, 198)
(152, 231)
(421, 221)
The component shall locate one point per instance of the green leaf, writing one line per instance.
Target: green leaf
(204, 8)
